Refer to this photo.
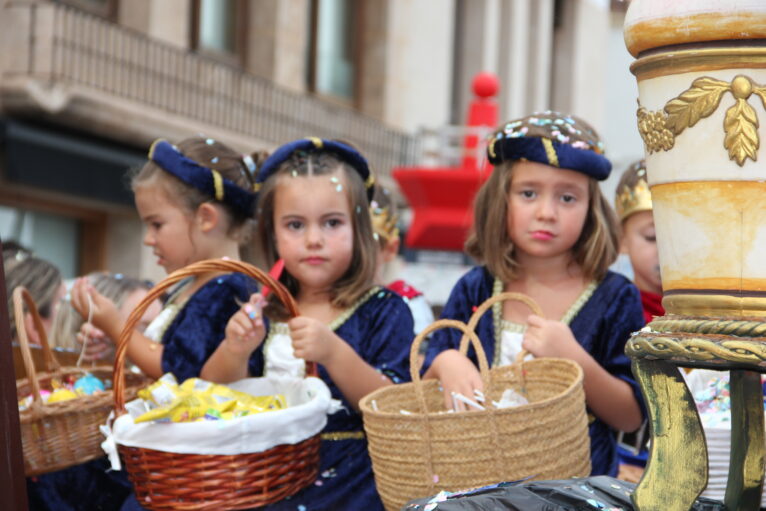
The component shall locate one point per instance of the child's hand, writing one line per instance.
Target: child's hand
(245, 330)
(549, 338)
(457, 374)
(98, 347)
(103, 313)
(313, 340)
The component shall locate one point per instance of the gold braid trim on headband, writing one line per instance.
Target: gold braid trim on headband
(218, 185)
(550, 152)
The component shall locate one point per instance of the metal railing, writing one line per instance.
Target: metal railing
(72, 46)
(445, 146)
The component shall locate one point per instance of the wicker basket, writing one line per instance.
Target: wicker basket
(170, 481)
(428, 450)
(63, 434)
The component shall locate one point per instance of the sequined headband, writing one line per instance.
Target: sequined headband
(637, 198)
(313, 144)
(553, 139)
(208, 181)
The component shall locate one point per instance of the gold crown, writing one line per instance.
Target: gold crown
(634, 200)
(383, 222)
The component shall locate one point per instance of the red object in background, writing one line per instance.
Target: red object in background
(442, 198)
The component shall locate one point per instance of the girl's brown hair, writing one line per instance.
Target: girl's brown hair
(213, 155)
(41, 278)
(489, 243)
(360, 274)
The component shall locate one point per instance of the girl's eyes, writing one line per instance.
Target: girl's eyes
(528, 194)
(294, 225)
(651, 238)
(568, 198)
(334, 222)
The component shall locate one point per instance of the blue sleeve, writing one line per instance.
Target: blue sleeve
(200, 326)
(387, 342)
(623, 317)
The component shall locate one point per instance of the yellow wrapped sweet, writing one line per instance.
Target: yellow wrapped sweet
(161, 392)
(186, 407)
(61, 394)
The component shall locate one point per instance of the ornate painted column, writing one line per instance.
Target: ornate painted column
(701, 71)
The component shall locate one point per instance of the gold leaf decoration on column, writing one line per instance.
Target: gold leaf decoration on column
(741, 126)
(659, 128)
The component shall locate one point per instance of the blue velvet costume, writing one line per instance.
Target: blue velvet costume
(380, 331)
(199, 327)
(602, 327)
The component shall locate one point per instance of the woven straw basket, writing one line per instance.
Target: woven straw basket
(172, 481)
(427, 451)
(63, 434)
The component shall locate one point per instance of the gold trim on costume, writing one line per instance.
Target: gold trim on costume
(217, 184)
(658, 129)
(343, 435)
(370, 181)
(550, 152)
(316, 141)
(257, 187)
(635, 200)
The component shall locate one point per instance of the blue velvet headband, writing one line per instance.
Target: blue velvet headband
(344, 152)
(206, 180)
(553, 139)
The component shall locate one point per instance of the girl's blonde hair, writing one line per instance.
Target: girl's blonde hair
(360, 274)
(489, 243)
(68, 321)
(216, 156)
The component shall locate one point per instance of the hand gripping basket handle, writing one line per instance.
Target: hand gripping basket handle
(199, 268)
(20, 297)
(468, 333)
(484, 307)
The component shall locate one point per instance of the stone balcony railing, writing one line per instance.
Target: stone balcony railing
(75, 68)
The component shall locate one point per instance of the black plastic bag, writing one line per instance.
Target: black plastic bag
(582, 494)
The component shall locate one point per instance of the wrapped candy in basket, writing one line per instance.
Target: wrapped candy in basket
(239, 463)
(419, 448)
(60, 426)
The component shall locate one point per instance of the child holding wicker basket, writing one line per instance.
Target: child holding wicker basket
(543, 228)
(196, 200)
(313, 214)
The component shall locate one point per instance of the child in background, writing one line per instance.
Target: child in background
(384, 218)
(634, 209)
(197, 202)
(313, 213)
(542, 228)
(70, 331)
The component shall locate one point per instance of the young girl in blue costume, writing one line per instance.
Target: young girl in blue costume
(197, 202)
(542, 228)
(313, 213)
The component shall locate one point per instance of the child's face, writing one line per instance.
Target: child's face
(167, 227)
(547, 208)
(639, 242)
(313, 229)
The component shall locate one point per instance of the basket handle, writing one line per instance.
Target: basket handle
(21, 297)
(518, 364)
(415, 349)
(198, 268)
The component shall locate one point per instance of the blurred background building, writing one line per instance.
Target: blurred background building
(86, 85)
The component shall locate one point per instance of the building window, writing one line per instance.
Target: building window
(218, 28)
(334, 48)
(103, 8)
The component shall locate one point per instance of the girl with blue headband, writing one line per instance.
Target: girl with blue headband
(313, 214)
(196, 200)
(543, 228)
